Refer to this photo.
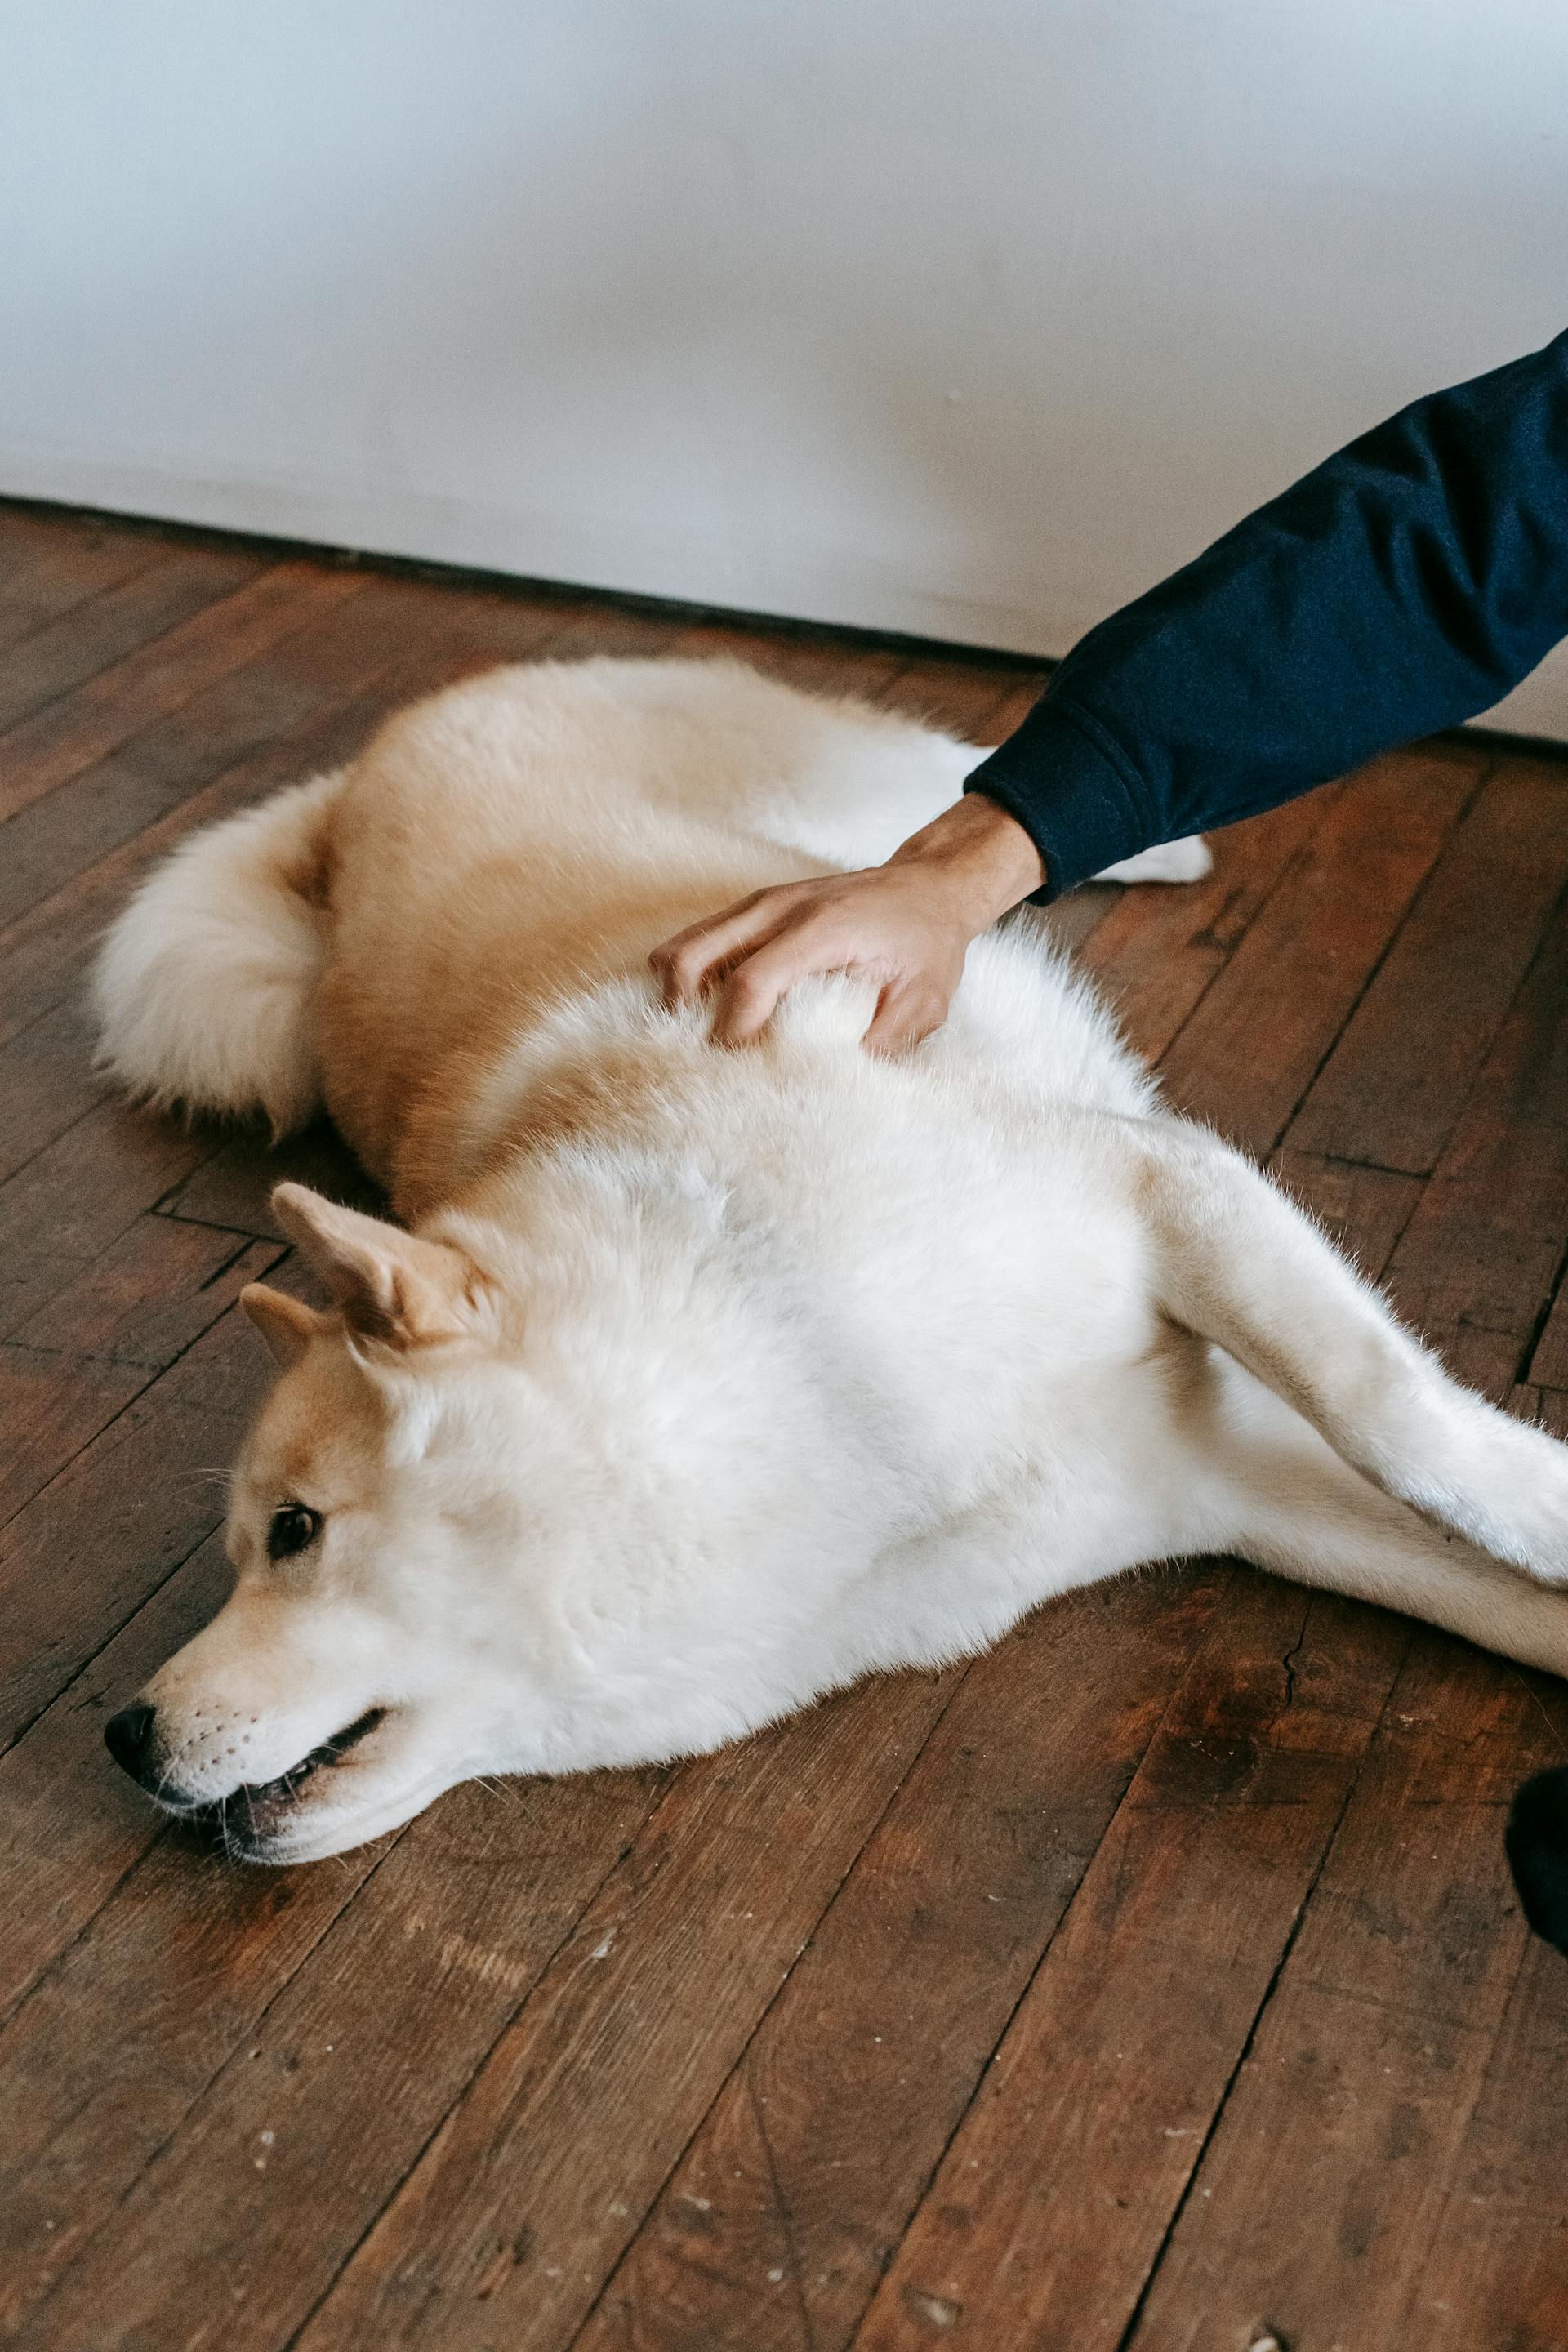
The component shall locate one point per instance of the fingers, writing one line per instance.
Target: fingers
(685, 964)
(907, 1010)
(754, 953)
(747, 1002)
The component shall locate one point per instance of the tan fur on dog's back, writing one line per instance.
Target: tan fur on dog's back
(464, 898)
(460, 911)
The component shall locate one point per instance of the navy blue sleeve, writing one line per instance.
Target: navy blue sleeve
(1403, 585)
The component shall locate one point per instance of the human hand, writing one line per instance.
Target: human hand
(906, 925)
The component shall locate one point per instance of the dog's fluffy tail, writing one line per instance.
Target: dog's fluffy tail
(205, 986)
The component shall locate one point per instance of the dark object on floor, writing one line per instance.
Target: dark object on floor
(1538, 1852)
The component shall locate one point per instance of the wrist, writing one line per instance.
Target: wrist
(984, 858)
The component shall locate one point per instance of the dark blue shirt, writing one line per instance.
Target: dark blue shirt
(1401, 587)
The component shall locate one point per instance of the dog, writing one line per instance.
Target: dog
(693, 1382)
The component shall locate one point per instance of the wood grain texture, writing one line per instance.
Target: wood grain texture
(1056, 2193)
(56, 570)
(776, 2225)
(1306, 958)
(580, 2098)
(225, 595)
(109, 800)
(1321, 2194)
(1484, 1248)
(256, 2046)
(1154, 1982)
(1445, 987)
(103, 1337)
(1157, 952)
(122, 1513)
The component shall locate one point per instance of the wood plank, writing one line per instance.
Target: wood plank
(1319, 2200)
(1015, 705)
(390, 645)
(1295, 977)
(232, 1188)
(1069, 922)
(192, 1971)
(71, 1826)
(582, 2099)
(1482, 1251)
(37, 535)
(973, 700)
(1494, 2262)
(1363, 1210)
(959, 695)
(1057, 2192)
(113, 708)
(148, 1982)
(261, 692)
(47, 1082)
(62, 573)
(1497, 2247)
(71, 1201)
(78, 1560)
(1445, 988)
(1494, 2258)
(44, 952)
(68, 652)
(1548, 1361)
(50, 1405)
(123, 2034)
(1157, 952)
(99, 1342)
(587, 630)
(775, 2228)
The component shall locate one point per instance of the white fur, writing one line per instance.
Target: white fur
(769, 1368)
(203, 988)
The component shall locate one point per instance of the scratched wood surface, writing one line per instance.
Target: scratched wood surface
(1154, 1982)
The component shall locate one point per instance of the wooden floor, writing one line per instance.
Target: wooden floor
(1153, 1982)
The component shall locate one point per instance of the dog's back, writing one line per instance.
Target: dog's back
(377, 942)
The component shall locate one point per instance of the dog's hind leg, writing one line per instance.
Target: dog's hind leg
(1274, 1492)
(1236, 1262)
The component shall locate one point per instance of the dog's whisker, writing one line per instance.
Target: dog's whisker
(509, 1790)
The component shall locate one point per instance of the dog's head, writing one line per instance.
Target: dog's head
(565, 1507)
(417, 1531)
(350, 1675)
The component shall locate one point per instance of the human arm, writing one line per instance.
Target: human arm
(1403, 585)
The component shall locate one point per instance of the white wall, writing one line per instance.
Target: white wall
(968, 317)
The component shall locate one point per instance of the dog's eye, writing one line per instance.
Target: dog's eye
(293, 1529)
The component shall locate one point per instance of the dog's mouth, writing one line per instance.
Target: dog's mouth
(242, 1821)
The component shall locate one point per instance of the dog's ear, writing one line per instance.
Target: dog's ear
(392, 1286)
(286, 1324)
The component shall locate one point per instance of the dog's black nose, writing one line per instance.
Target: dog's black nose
(127, 1736)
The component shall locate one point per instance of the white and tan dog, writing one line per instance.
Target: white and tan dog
(704, 1380)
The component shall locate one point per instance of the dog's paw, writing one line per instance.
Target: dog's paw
(1171, 861)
